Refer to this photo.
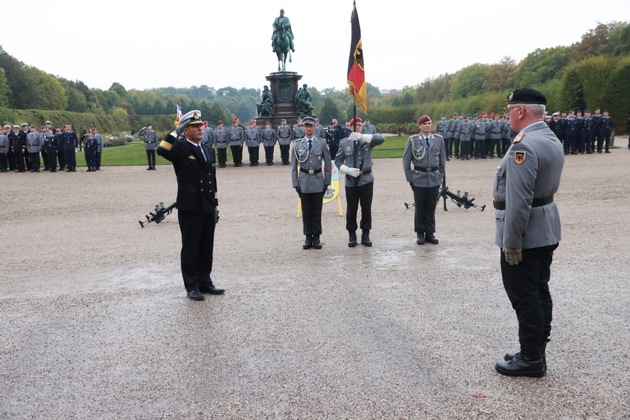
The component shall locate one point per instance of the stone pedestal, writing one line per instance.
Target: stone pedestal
(283, 86)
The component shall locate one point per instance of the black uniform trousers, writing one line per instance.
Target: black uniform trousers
(284, 153)
(269, 154)
(253, 154)
(197, 231)
(150, 158)
(425, 201)
(359, 195)
(52, 159)
(237, 155)
(222, 154)
(527, 287)
(35, 163)
(312, 212)
(3, 162)
(69, 157)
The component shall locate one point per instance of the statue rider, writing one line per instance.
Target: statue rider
(265, 106)
(282, 22)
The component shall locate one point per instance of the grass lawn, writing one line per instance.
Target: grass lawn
(134, 153)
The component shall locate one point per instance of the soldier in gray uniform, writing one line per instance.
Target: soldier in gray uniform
(354, 159)
(4, 149)
(368, 128)
(236, 136)
(506, 136)
(464, 134)
(298, 130)
(148, 134)
(269, 138)
(285, 136)
(208, 134)
(441, 128)
(479, 132)
(253, 140)
(34, 145)
(495, 128)
(451, 128)
(424, 160)
(320, 133)
(221, 143)
(309, 181)
(528, 227)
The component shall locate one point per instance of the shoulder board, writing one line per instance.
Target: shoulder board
(519, 137)
(415, 136)
(438, 135)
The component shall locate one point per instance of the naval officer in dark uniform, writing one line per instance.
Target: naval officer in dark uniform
(309, 181)
(197, 204)
(528, 227)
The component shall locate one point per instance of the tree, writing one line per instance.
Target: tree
(5, 89)
(500, 75)
(329, 110)
(49, 92)
(541, 65)
(469, 81)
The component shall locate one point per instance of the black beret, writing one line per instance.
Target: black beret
(526, 96)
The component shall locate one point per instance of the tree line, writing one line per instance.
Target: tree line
(593, 72)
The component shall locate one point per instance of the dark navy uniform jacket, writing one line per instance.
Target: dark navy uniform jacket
(196, 177)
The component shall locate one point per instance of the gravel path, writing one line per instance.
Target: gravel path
(95, 321)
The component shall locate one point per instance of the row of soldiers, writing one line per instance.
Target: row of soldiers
(486, 135)
(24, 148)
(237, 136)
(581, 132)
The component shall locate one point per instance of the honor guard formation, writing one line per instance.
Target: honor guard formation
(24, 148)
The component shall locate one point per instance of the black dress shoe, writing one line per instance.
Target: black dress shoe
(430, 238)
(308, 243)
(195, 295)
(365, 238)
(352, 239)
(213, 291)
(316, 242)
(420, 239)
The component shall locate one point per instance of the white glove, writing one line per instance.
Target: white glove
(353, 172)
(354, 136)
(366, 137)
(513, 256)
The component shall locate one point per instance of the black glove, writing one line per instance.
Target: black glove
(325, 188)
(298, 190)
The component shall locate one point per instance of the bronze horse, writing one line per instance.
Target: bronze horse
(282, 48)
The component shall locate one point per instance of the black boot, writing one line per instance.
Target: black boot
(527, 362)
(365, 238)
(543, 356)
(308, 243)
(316, 243)
(352, 238)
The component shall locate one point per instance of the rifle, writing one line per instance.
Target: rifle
(460, 200)
(160, 213)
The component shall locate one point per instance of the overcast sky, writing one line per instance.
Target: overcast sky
(149, 44)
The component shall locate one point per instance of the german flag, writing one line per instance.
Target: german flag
(356, 71)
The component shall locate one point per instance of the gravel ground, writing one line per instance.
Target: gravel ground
(95, 321)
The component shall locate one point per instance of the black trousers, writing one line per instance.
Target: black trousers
(284, 153)
(269, 154)
(3, 162)
(52, 159)
(151, 158)
(35, 163)
(359, 195)
(237, 154)
(425, 200)
(197, 231)
(527, 287)
(312, 213)
(253, 154)
(222, 154)
(19, 160)
(98, 160)
(466, 148)
(70, 158)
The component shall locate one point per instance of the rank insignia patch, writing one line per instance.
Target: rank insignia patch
(519, 157)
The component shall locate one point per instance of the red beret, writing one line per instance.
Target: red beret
(220, 122)
(234, 120)
(252, 122)
(356, 120)
(424, 119)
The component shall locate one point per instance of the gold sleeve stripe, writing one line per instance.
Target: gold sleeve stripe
(166, 145)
